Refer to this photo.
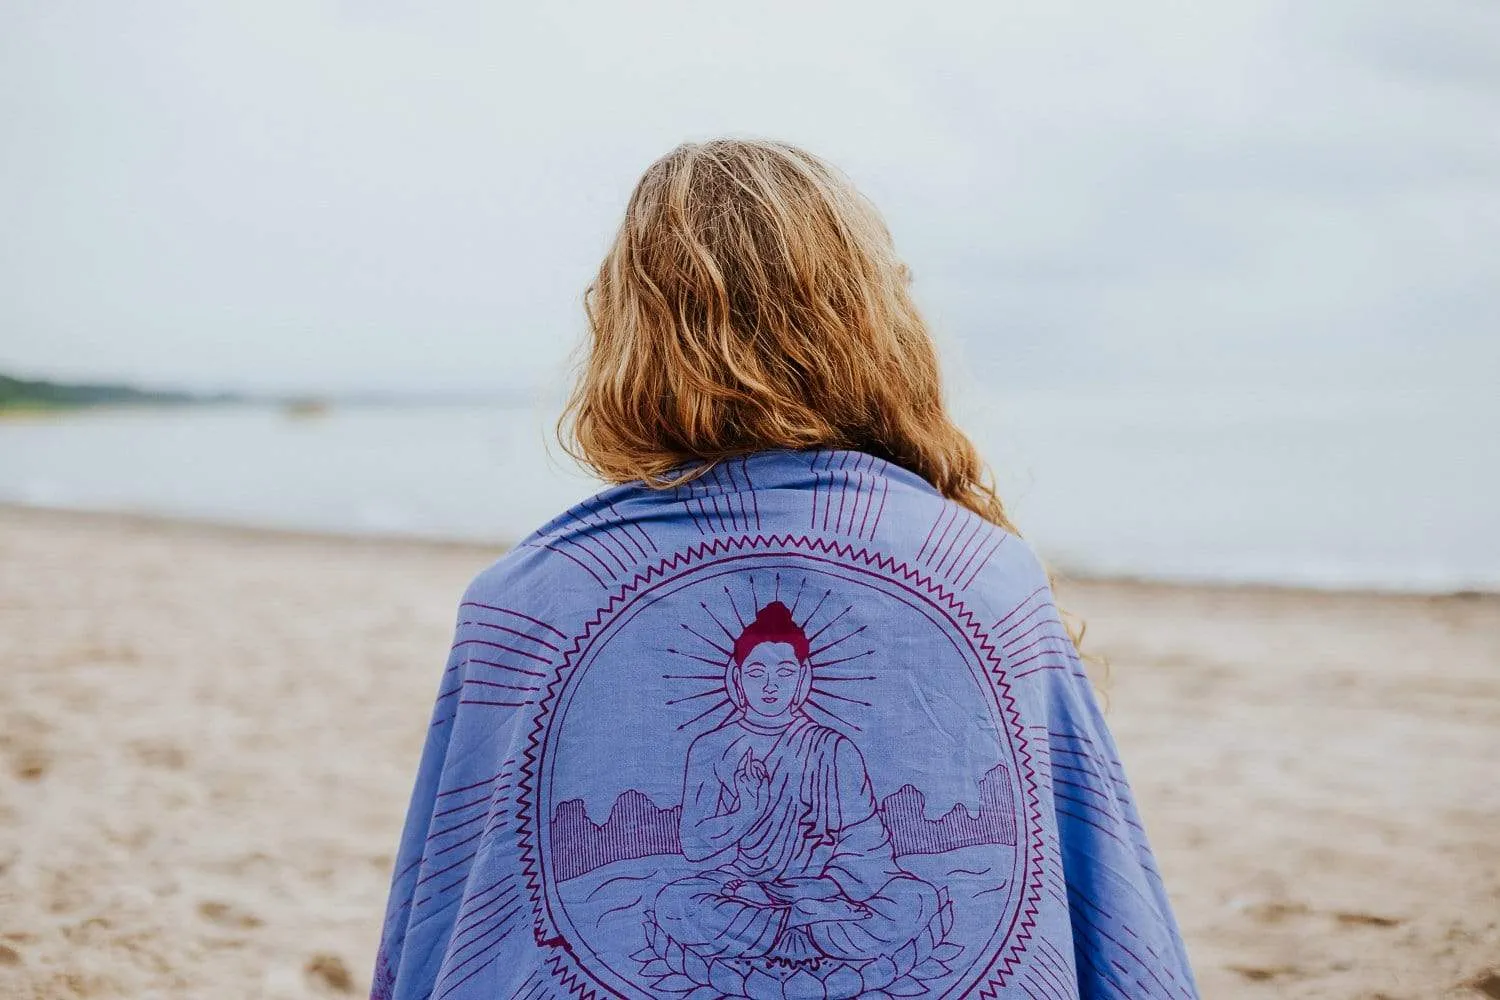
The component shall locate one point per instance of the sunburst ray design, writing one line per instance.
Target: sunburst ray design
(830, 623)
(826, 664)
(816, 650)
(708, 660)
(722, 703)
(722, 627)
(705, 639)
(734, 607)
(827, 706)
(837, 697)
(798, 599)
(816, 608)
(817, 706)
(700, 694)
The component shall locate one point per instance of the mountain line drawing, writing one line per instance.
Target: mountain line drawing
(905, 816)
(638, 828)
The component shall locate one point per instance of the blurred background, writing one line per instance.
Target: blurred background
(1217, 288)
(1216, 284)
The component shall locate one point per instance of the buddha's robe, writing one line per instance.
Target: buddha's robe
(814, 874)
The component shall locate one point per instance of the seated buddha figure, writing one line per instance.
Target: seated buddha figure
(806, 868)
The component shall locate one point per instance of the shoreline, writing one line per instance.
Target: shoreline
(208, 527)
(1064, 576)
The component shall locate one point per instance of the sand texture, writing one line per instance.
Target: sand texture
(207, 737)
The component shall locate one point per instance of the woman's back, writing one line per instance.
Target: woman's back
(798, 727)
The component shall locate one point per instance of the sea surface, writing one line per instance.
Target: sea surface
(1392, 491)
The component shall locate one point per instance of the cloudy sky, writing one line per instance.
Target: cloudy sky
(289, 194)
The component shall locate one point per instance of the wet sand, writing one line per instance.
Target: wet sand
(207, 737)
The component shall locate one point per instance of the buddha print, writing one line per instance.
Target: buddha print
(806, 873)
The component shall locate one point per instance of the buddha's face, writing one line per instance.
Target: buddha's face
(769, 679)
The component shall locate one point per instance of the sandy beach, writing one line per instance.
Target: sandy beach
(207, 737)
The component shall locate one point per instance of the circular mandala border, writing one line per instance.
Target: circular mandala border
(563, 963)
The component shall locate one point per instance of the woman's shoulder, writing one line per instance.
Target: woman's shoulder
(952, 546)
(846, 503)
(599, 539)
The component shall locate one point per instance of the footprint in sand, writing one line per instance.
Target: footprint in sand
(9, 955)
(1366, 920)
(1277, 911)
(1261, 974)
(227, 915)
(23, 739)
(330, 972)
(159, 753)
(1486, 983)
(30, 763)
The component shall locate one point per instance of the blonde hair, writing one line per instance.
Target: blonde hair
(753, 300)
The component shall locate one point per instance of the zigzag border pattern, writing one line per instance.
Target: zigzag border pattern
(563, 963)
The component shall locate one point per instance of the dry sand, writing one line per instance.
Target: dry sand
(207, 737)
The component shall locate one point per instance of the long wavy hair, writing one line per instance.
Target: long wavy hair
(753, 300)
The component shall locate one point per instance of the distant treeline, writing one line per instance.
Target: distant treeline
(21, 393)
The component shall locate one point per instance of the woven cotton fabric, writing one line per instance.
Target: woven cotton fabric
(801, 728)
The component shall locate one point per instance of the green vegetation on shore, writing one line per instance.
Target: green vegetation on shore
(24, 396)
(19, 394)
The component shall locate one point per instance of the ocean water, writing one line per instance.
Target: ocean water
(1397, 491)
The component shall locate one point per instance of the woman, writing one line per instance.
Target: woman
(788, 711)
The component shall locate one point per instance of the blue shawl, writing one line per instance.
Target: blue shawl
(801, 728)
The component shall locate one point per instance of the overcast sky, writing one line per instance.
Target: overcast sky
(288, 194)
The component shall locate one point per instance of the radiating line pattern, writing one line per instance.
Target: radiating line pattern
(849, 493)
(464, 821)
(1033, 638)
(835, 652)
(722, 500)
(597, 540)
(499, 661)
(1098, 821)
(959, 545)
(451, 839)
